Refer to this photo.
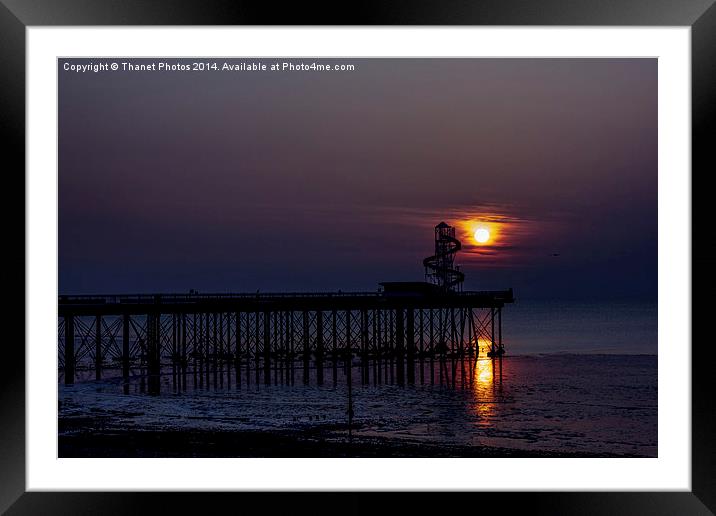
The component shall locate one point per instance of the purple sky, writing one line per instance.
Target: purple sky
(237, 181)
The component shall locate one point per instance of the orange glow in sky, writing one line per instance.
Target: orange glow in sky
(481, 232)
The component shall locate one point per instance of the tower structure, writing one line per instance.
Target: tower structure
(440, 268)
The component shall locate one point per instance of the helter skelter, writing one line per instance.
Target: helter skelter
(440, 268)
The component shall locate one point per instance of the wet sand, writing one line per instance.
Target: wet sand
(523, 406)
(76, 440)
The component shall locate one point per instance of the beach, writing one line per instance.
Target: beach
(523, 405)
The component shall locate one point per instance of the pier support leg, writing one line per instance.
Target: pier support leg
(319, 347)
(453, 330)
(470, 342)
(207, 349)
(226, 355)
(283, 318)
(248, 349)
(214, 348)
(195, 347)
(237, 355)
(257, 355)
(379, 344)
(291, 346)
(349, 369)
(69, 350)
(276, 346)
(306, 348)
(422, 348)
(495, 347)
(492, 330)
(334, 337)
(267, 348)
(348, 350)
(410, 338)
(390, 339)
(182, 330)
(374, 346)
(125, 348)
(400, 346)
(431, 344)
(182, 342)
(175, 352)
(364, 346)
(499, 332)
(175, 339)
(153, 347)
(349, 381)
(98, 348)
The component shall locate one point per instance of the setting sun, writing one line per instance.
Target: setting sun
(482, 235)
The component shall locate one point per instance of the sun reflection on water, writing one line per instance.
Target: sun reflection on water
(486, 382)
(484, 371)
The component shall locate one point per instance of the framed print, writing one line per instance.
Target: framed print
(309, 252)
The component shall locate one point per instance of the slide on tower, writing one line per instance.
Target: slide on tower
(440, 264)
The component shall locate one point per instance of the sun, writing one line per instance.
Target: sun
(482, 235)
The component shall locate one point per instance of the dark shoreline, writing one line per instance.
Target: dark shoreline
(82, 437)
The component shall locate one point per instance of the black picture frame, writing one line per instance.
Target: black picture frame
(17, 15)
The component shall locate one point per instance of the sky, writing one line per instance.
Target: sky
(237, 181)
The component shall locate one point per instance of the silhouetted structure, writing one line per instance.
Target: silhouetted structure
(440, 268)
(401, 323)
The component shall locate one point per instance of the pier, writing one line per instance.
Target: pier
(399, 324)
(403, 322)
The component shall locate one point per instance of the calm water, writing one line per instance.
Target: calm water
(594, 391)
(620, 328)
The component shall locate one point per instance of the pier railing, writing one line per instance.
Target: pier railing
(505, 295)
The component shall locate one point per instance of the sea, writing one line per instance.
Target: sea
(575, 379)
